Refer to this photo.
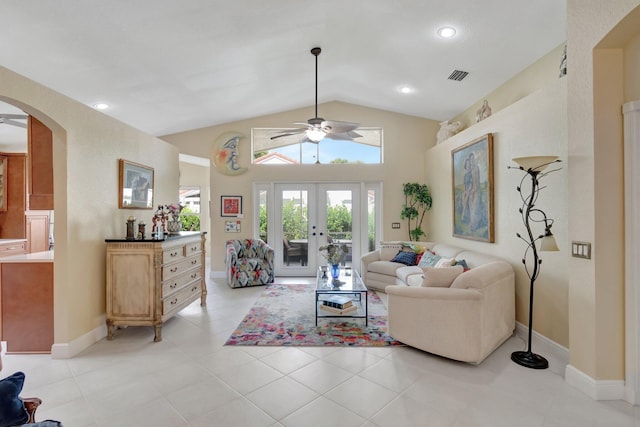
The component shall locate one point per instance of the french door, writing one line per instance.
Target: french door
(307, 216)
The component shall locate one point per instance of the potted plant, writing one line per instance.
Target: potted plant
(417, 201)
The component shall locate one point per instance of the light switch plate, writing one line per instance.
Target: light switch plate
(581, 250)
(395, 225)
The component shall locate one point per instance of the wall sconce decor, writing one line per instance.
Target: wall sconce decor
(533, 168)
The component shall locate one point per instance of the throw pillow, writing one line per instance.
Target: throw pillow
(12, 411)
(406, 258)
(389, 249)
(463, 263)
(441, 277)
(428, 259)
(444, 262)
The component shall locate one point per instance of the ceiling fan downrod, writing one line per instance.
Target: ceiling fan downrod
(315, 52)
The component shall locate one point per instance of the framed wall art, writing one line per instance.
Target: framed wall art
(135, 186)
(231, 206)
(472, 182)
(232, 226)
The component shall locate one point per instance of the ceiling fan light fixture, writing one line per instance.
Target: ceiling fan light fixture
(101, 106)
(315, 135)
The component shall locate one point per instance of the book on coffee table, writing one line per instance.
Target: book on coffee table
(338, 301)
(338, 310)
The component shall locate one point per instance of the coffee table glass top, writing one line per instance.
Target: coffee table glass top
(345, 283)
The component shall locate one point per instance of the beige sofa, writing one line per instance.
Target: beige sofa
(466, 321)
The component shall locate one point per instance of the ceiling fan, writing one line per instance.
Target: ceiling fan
(318, 128)
(10, 119)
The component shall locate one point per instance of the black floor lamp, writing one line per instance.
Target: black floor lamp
(533, 167)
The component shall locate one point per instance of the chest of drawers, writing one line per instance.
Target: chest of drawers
(148, 282)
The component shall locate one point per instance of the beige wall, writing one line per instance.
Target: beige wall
(529, 80)
(517, 131)
(595, 95)
(87, 146)
(405, 140)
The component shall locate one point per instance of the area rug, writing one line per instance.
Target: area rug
(284, 315)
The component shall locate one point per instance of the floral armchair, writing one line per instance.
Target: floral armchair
(249, 263)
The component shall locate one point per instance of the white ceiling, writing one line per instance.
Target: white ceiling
(167, 66)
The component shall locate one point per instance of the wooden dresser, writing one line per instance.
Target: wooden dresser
(149, 281)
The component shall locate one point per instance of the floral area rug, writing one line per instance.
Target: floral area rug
(284, 315)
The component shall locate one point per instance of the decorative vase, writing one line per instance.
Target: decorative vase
(173, 226)
(335, 270)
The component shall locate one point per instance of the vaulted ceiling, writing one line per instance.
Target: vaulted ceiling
(166, 66)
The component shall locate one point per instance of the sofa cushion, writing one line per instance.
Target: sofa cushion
(405, 257)
(385, 267)
(428, 260)
(441, 277)
(403, 273)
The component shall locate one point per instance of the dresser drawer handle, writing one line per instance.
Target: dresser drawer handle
(175, 301)
(194, 275)
(174, 253)
(174, 269)
(194, 262)
(194, 288)
(173, 286)
(194, 248)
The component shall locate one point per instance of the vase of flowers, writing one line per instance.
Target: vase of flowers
(173, 218)
(334, 254)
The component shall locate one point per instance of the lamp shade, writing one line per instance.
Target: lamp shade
(548, 243)
(536, 163)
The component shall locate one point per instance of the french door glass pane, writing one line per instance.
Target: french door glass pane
(295, 226)
(340, 221)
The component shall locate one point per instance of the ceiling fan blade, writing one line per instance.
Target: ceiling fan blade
(340, 136)
(308, 125)
(334, 126)
(292, 132)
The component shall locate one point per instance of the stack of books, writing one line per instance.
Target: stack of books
(338, 304)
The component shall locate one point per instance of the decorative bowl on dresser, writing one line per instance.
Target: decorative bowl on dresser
(149, 281)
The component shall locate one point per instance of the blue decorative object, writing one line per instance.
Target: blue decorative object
(335, 270)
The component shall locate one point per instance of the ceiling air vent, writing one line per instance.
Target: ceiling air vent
(458, 75)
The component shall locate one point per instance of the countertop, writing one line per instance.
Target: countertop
(167, 237)
(46, 256)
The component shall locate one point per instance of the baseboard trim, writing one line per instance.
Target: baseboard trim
(559, 354)
(595, 389)
(68, 350)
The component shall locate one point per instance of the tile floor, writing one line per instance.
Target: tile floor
(192, 379)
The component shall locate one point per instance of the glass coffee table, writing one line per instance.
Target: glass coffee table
(348, 285)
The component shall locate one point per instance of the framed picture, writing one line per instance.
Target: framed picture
(136, 186)
(472, 182)
(232, 226)
(230, 206)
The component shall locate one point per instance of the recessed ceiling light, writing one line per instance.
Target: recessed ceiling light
(405, 89)
(447, 32)
(101, 106)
